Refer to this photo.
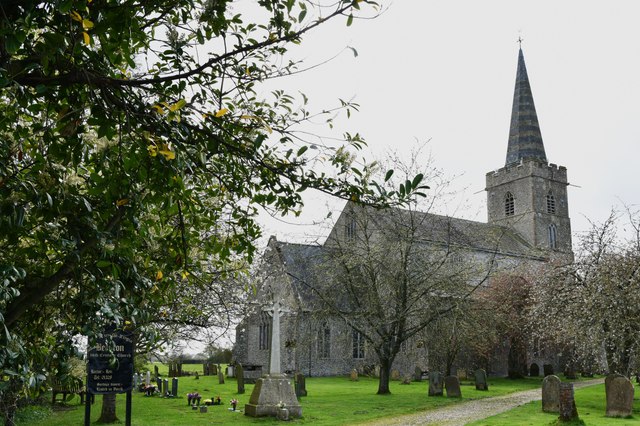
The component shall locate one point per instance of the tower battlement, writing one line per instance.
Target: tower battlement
(524, 169)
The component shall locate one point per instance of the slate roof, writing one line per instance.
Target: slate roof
(525, 139)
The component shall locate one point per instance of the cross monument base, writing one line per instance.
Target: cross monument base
(269, 392)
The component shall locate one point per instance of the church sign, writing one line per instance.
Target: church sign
(110, 364)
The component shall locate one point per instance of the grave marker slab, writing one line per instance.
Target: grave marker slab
(301, 385)
(568, 409)
(551, 394)
(619, 393)
(452, 386)
(240, 378)
(435, 383)
(481, 380)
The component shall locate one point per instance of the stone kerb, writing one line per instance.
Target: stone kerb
(551, 394)
(619, 393)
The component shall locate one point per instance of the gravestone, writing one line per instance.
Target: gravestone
(301, 385)
(220, 377)
(155, 371)
(534, 370)
(481, 380)
(174, 386)
(240, 377)
(165, 387)
(452, 386)
(148, 378)
(136, 381)
(205, 368)
(213, 370)
(406, 380)
(547, 369)
(354, 375)
(273, 390)
(395, 375)
(619, 397)
(568, 409)
(551, 394)
(609, 379)
(435, 383)
(417, 374)
(159, 384)
(376, 371)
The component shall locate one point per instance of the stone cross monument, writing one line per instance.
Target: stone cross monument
(274, 359)
(273, 394)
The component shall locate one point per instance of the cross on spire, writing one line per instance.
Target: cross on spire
(520, 40)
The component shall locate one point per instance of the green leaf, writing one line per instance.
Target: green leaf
(350, 20)
(103, 263)
(302, 150)
(388, 175)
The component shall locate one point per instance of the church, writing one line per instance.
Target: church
(528, 226)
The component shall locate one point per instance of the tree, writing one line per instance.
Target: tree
(394, 272)
(135, 149)
(591, 307)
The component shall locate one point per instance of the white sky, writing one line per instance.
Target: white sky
(445, 71)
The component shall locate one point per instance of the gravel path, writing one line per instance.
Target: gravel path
(471, 411)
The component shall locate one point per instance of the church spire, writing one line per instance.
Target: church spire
(525, 139)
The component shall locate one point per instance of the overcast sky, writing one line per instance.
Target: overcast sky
(445, 70)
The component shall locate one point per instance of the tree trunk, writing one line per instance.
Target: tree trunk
(108, 414)
(385, 373)
(517, 359)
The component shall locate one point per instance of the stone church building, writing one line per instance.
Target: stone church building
(528, 224)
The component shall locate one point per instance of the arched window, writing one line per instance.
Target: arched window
(324, 341)
(553, 236)
(358, 345)
(350, 226)
(263, 331)
(551, 203)
(509, 205)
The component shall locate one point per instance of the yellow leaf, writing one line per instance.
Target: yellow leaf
(159, 275)
(177, 105)
(153, 150)
(168, 155)
(222, 112)
(249, 117)
(75, 16)
(122, 202)
(87, 38)
(87, 24)
(185, 274)
(158, 109)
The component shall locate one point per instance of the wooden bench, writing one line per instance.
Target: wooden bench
(68, 389)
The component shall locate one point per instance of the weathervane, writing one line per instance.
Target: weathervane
(520, 39)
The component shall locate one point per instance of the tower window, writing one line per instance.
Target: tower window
(551, 203)
(509, 205)
(553, 236)
(350, 226)
(324, 342)
(358, 345)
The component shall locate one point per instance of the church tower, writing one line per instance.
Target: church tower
(529, 194)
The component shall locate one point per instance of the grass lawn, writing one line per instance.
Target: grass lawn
(330, 401)
(591, 405)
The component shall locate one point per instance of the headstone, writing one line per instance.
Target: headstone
(395, 375)
(220, 377)
(435, 383)
(619, 397)
(568, 409)
(148, 379)
(159, 384)
(534, 370)
(406, 380)
(481, 380)
(547, 369)
(376, 371)
(551, 394)
(165, 387)
(174, 386)
(609, 379)
(240, 377)
(136, 380)
(354, 375)
(301, 385)
(155, 371)
(205, 368)
(452, 386)
(230, 371)
(213, 369)
(417, 374)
